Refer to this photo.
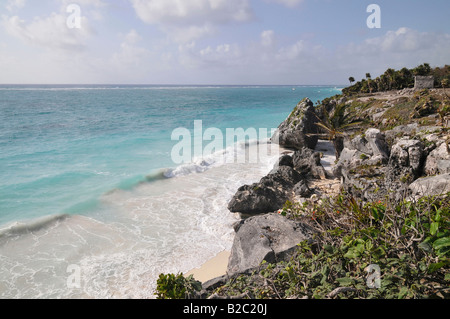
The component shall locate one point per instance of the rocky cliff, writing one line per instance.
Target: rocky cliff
(394, 154)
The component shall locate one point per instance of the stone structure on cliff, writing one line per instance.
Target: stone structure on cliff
(423, 82)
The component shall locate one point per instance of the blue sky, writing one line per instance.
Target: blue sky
(217, 41)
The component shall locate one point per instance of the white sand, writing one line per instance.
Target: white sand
(213, 268)
(329, 156)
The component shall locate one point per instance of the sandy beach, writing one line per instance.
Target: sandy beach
(213, 268)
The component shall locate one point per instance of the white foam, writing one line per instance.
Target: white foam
(163, 226)
(237, 153)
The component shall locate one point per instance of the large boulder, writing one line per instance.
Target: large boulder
(429, 186)
(404, 167)
(438, 161)
(256, 199)
(299, 129)
(269, 237)
(269, 195)
(375, 145)
(407, 156)
(369, 149)
(308, 163)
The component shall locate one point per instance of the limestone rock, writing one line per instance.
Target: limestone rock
(302, 189)
(269, 195)
(256, 199)
(429, 186)
(285, 160)
(269, 237)
(405, 166)
(438, 161)
(294, 131)
(307, 162)
(408, 153)
(370, 149)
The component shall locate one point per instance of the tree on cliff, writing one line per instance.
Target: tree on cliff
(335, 125)
(351, 79)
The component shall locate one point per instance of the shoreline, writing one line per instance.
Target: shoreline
(217, 266)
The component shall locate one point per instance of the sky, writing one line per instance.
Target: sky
(221, 42)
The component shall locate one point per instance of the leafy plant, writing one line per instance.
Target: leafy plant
(172, 286)
(408, 241)
(335, 126)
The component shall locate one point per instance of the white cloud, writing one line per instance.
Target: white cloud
(402, 40)
(193, 18)
(403, 47)
(188, 33)
(50, 32)
(13, 5)
(53, 31)
(288, 3)
(130, 54)
(192, 12)
(268, 38)
(84, 3)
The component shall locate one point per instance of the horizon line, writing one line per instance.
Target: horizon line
(137, 84)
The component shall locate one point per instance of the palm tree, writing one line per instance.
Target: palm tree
(391, 76)
(335, 126)
(369, 82)
(351, 79)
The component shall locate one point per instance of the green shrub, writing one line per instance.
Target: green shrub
(408, 241)
(172, 286)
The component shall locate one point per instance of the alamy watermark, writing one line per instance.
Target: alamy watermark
(74, 19)
(374, 20)
(74, 278)
(374, 276)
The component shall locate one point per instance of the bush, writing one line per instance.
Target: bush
(408, 242)
(172, 286)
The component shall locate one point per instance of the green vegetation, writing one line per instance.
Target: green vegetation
(397, 80)
(408, 242)
(172, 286)
(401, 110)
(335, 126)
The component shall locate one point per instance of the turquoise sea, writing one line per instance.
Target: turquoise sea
(92, 204)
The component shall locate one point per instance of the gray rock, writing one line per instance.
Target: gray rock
(285, 176)
(285, 160)
(256, 199)
(408, 153)
(269, 237)
(370, 149)
(429, 186)
(269, 195)
(295, 131)
(302, 189)
(376, 143)
(404, 167)
(307, 162)
(399, 131)
(438, 161)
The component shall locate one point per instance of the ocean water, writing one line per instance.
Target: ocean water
(92, 204)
